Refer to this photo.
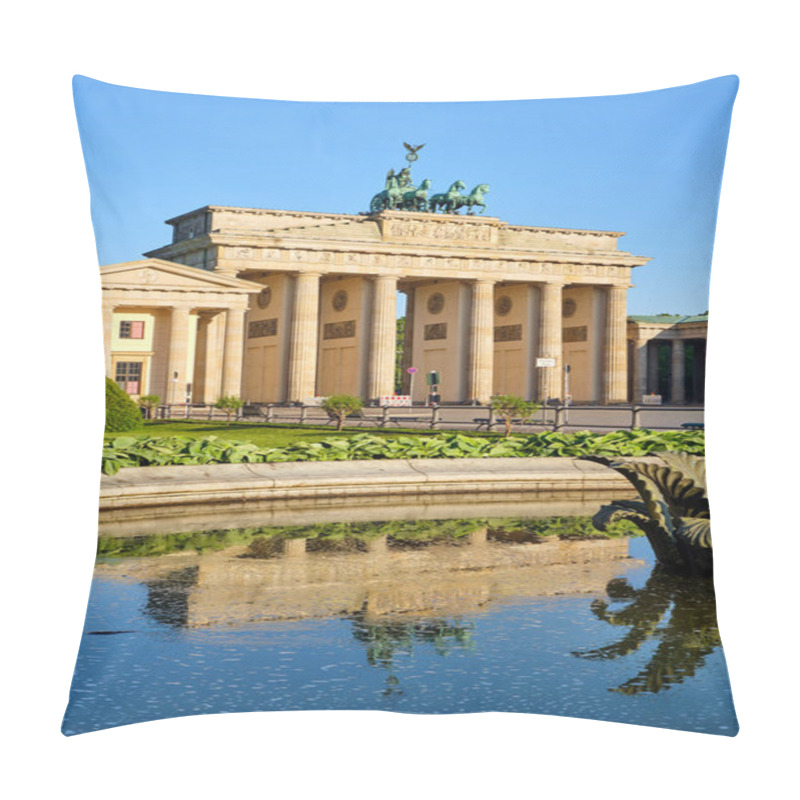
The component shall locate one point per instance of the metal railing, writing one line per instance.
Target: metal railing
(553, 416)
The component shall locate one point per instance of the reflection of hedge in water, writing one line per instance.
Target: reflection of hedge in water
(265, 541)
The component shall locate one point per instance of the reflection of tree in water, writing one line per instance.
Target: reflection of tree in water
(168, 597)
(387, 638)
(679, 611)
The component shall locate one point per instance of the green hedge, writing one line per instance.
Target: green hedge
(130, 451)
(122, 414)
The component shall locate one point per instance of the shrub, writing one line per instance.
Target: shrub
(149, 402)
(122, 414)
(508, 406)
(230, 404)
(340, 405)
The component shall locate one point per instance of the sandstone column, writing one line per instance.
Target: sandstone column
(677, 391)
(615, 367)
(108, 332)
(640, 371)
(177, 368)
(408, 343)
(304, 332)
(481, 343)
(551, 380)
(383, 343)
(233, 352)
(212, 323)
(653, 358)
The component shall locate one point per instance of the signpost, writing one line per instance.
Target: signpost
(434, 379)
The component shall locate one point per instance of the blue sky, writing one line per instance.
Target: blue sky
(649, 164)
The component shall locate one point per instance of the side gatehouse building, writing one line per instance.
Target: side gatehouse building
(282, 306)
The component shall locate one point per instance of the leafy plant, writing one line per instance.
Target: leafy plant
(122, 414)
(509, 406)
(339, 406)
(230, 404)
(149, 402)
(133, 451)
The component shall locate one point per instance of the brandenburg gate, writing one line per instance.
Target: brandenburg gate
(494, 308)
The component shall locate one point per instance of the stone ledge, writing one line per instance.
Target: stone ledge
(221, 484)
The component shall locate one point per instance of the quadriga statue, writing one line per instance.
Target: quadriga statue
(673, 511)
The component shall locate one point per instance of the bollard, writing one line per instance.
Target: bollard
(558, 422)
(384, 416)
(270, 412)
(303, 412)
(435, 418)
(635, 413)
(492, 419)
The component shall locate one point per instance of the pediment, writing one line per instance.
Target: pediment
(156, 273)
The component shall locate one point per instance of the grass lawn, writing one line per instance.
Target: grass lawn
(268, 435)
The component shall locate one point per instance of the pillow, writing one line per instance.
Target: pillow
(398, 418)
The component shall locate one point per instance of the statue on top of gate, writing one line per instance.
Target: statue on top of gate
(400, 193)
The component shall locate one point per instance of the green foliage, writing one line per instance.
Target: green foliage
(130, 451)
(399, 374)
(340, 405)
(149, 402)
(510, 407)
(122, 414)
(230, 404)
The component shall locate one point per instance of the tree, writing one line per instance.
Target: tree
(399, 373)
(149, 402)
(122, 414)
(230, 404)
(338, 406)
(509, 407)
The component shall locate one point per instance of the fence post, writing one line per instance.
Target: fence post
(270, 412)
(492, 419)
(557, 423)
(635, 416)
(435, 417)
(303, 413)
(384, 416)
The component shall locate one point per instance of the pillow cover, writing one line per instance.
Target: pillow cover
(396, 417)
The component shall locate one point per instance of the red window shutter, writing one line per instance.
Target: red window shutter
(137, 329)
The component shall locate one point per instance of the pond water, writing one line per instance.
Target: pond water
(450, 616)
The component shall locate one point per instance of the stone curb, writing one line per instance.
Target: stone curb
(529, 478)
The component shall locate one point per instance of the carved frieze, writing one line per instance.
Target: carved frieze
(262, 327)
(436, 330)
(579, 333)
(508, 333)
(339, 330)
(437, 231)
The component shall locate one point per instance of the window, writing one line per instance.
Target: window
(131, 329)
(128, 376)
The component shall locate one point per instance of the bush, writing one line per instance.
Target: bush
(230, 404)
(122, 414)
(338, 406)
(509, 406)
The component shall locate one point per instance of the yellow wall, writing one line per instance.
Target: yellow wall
(266, 357)
(342, 364)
